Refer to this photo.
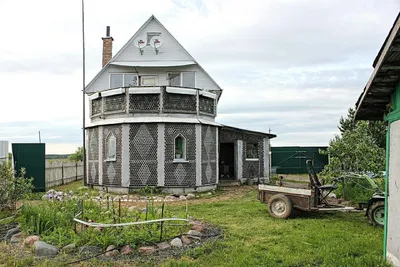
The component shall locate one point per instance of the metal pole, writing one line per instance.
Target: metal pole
(83, 92)
(40, 139)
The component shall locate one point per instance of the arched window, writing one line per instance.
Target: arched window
(111, 148)
(180, 148)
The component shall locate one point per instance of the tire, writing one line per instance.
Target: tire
(376, 213)
(280, 206)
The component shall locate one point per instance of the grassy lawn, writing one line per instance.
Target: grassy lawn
(253, 238)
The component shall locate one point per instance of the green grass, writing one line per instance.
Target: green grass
(253, 238)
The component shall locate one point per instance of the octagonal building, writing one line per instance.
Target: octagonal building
(152, 121)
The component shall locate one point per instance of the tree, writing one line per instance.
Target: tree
(13, 186)
(78, 155)
(359, 148)
(376, 129)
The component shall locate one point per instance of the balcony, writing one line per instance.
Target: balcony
(134, 101)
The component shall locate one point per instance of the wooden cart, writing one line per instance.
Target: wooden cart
(282, 200)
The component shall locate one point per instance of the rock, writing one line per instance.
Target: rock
(30, 240)
(194, 234)
(209, 194)
(176, 242)
(146, 250)
(126, 250)
(163, 245)
(190, 196)
(170, 198)
(10, 233)
(198, 227)
(186, 241)
(69, 248)
(182, 198)
(89, 250)
(125, 197)
(111, 251)
(17, 238)
(43, 249)
(135, 198)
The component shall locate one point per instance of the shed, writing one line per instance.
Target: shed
(380, 100)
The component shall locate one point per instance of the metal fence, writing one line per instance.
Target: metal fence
(60, 172)
(292, 160)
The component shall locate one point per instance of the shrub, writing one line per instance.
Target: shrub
(12, 189)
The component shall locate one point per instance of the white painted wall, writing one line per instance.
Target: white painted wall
(3, 150)
(170, 49)
(393, 238)
(202, 80)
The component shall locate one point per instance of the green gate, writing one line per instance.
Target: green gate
(292, 160)
(32, 158)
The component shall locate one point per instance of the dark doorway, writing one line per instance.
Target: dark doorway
(227, 161)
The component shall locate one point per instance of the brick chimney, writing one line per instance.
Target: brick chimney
(107, 47)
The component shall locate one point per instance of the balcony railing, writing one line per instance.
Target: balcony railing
(154, 99)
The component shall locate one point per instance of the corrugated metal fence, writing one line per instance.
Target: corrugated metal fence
(60, 172)
(292, 160)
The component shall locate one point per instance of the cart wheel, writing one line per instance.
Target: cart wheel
(376, 213)
(280, 206)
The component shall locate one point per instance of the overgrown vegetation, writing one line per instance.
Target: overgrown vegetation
(360, 147)
(53, 221)
(253, 238)
(13, 186)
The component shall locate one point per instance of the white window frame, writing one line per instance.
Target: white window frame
(109, 148)
(258, 151)
(123, 78)
(148, 76)
(181, 77)
(152, 35)
(183, 157)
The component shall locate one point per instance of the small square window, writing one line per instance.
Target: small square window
(148, 80)
(252, 151)
(151, 35)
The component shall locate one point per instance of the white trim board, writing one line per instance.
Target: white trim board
(208, 94)
(94, 96)
(144, 90)
(113, 92)
(282, 189)
(150, 120)
(183, 91)
(154, 63)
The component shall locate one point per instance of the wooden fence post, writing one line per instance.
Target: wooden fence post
(62, 173)
(76, 171)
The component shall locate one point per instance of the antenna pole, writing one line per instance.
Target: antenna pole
(83, 93)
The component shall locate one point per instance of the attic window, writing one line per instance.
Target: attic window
(151, 35)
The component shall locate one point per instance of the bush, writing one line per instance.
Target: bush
(12, 189)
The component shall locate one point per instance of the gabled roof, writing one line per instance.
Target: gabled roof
(372, 103)
(140, 62)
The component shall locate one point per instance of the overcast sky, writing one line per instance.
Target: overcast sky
(292, 66)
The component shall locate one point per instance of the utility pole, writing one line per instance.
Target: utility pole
(83, 93)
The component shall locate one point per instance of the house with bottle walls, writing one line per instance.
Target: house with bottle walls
(152, 121)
